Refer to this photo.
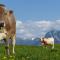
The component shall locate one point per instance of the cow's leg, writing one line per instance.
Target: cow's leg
(52, 46)
(13, 45)
(7, 47)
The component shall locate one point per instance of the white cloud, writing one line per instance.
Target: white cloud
(19, 24)
(22, 30)
(31, 29)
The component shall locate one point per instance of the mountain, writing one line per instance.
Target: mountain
(36, 41)
(21, 41)
(55, 34)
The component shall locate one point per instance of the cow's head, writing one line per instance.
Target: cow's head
(2, 12)
(4, 15)
(42, 40)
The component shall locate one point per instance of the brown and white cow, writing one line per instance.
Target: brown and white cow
(7, 28)
(48, 42)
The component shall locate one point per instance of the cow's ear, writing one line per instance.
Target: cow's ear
(10, 12)
(1, 10)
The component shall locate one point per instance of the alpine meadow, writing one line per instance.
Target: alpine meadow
(32, 53)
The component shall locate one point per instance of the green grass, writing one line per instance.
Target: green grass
(33, 53)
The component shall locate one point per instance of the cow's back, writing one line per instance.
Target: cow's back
(49, 40)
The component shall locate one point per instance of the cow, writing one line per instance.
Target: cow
(7, 28)
(48, 42)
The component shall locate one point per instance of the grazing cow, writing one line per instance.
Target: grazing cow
(7, 28)
(48, 42)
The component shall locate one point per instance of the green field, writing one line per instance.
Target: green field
(33, 53)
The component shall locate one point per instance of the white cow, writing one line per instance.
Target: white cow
(48, 41)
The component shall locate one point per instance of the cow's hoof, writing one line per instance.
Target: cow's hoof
(12, 56)
(4, 58)
(14, 53)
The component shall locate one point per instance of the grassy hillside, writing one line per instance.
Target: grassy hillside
(33, 53)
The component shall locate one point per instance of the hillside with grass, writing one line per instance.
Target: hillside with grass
(32, 53)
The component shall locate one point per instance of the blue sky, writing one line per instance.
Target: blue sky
(34, 9)
(35, 17)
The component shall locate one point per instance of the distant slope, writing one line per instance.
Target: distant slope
(21, 41)
(36, 41)
(55, 34)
